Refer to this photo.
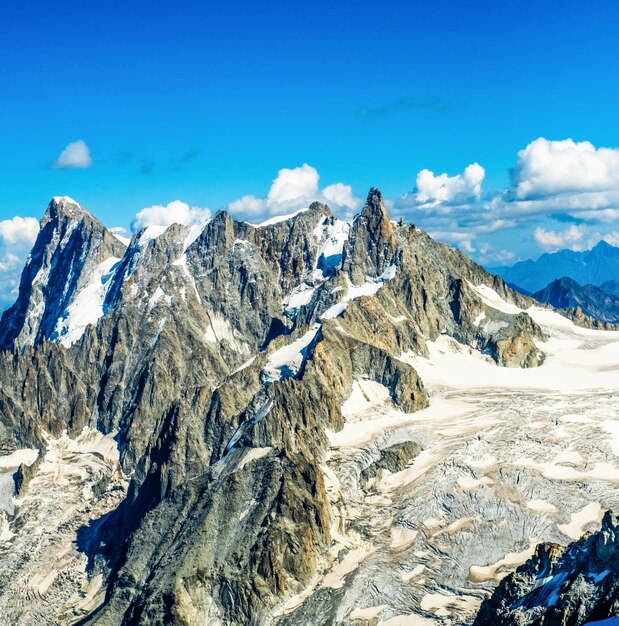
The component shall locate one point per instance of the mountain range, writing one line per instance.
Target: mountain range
(565, 293)
(307, 421)
(598, 266)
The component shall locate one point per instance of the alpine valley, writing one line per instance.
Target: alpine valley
(305, 422)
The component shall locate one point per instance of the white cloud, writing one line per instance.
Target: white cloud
(467, 246)
(438, 189)
(16, 238)
(341, 195)
(294, 189)
(547, 168)
(601, 215)
(118, 230)
(494, 225)
(491, 256)
(611, 238)
(563, 180)
(75, 156)
(248, 206)
(19, 230)
(292, 184)
(175, 212)
(553, 240)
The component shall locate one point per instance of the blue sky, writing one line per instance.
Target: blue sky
(206, 102)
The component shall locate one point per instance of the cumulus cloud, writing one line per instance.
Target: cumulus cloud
(433, 190)
(547, 168)
(75, 156)
(248, 206)
(553, 180)
(553, 240)
(16, 238)
(19, 230)
(292, 189)
(341, 195)
(292, 184)
(175, 212)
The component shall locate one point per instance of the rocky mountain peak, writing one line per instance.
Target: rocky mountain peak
(374, 205)
(320, 208)
(221, 358)
(72, 250)
(63, 207)
(372, 241)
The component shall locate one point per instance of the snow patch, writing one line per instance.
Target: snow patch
(287, 361)
(195, 230)
(365, 395)
(494, 326)
(577, 359)
(492, 299)
(253, 454)
(150, 233)
(590, 514)
(221, 329)
(299, 297)
(87, 307)
(278, 218)
(330, 254)
(369, 288)
(157, 296)
(497, 571)
(25, 456)
(65, 199)
(246, 364)
(124, 240)
(182, 263)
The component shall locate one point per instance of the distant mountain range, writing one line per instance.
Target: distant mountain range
(565, 293)
(598, 266)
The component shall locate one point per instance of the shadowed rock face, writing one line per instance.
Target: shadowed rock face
(561, 585)
(226, 513)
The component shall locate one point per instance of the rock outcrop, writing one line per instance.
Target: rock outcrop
(560, 585)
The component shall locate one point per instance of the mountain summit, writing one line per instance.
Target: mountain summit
(63, 285)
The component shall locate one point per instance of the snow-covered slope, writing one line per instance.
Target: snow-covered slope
(511, 457)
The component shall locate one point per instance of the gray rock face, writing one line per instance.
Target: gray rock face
(372, 241)
(393, 458)
(561, 585)
(227, 515)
